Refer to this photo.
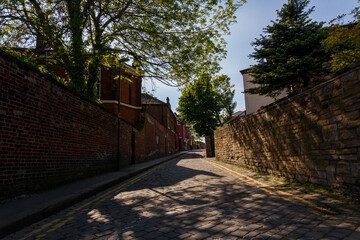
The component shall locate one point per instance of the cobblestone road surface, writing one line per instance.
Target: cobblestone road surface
(194, 198)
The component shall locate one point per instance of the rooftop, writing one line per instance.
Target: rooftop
(148, 99)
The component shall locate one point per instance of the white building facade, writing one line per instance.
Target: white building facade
(254, 102)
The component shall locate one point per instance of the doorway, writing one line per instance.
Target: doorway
(132, 147)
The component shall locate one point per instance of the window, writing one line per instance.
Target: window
(157, 140)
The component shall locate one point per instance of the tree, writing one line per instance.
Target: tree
(207, 103)
(343, 42)
(289, 55)
(169, 40)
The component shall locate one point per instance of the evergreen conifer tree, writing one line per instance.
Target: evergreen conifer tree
(289, 55)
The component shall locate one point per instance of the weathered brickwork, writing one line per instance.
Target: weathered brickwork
(152, 141)
(48, 134)
(313, 136)
(155, 140)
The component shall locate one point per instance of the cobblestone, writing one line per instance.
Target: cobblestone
(191, 198)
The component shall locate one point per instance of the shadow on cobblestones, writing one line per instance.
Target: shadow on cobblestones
(189, 198)
(180, 202)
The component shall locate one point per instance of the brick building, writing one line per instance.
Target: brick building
(129, 93)
(164, 115)
(153, 131)
(184, 136)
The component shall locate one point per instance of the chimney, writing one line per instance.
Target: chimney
(168, 102)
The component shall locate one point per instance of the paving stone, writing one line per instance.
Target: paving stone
(162, 238)
(171, 235)
(106, 227)
(100, 234)
(239, 233)
(127, 233)
(116, 237)
(87, 237)
(315, 235)
(153, 235)
(166, 229)
(151, 229)
(340, 233)
(230, 229)
(355, 235)
(200, 235)
(295, 235)
(252, 234)
(184, 235)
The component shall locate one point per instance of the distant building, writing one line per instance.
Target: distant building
(154, 123)
(254, 102)
(184, 136)
(130, 97)
(198, 145)
(164, 115)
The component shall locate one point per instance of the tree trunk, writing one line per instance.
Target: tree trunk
(93, 77)
(210, 145)
(76, 70)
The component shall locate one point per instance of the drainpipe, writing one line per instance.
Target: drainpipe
(118, 119)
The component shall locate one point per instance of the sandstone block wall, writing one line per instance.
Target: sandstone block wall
(313, 136)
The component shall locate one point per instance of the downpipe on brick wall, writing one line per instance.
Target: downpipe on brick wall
(118, 118)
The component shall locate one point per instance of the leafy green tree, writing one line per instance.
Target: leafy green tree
(169, 40)
(207, 103)
(289, 55)
(343, 42)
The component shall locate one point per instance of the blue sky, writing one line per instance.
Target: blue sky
(252, 17)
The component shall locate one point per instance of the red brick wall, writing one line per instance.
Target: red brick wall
(146, 145)
(157, 111)
(48, 134)
(180, 129)
(125, 143)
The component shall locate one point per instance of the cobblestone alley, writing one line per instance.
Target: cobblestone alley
(195, 198)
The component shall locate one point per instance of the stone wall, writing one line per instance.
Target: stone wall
(313, 136)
